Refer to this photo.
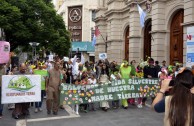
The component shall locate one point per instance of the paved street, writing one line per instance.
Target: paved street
(119, 117)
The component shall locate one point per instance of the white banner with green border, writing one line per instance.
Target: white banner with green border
(21, 88)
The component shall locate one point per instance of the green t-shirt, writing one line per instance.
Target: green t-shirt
(43, 74)
(125, 72)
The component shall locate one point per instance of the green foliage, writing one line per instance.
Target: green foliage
(27, 21)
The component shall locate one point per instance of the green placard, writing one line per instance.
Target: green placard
(115, 90)
(43, 74)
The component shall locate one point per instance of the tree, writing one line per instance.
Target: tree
(27, 21)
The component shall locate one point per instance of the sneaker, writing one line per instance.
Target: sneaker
(36, 110)
(0, 116)
(40, 109)
(86, 111)
(139, 106)
(16, 117)
(77, 113)
(55, 113)
(48, 112)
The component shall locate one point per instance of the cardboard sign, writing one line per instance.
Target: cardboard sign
(66, 59)
(50, 57)
(102, 56)
(21, 88)
(4, 52)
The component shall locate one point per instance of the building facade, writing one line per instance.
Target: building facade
(79, 18)
(163, 37)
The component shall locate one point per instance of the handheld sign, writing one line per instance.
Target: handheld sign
(50, 57)
(102, 56)
(4, 52)
(66, 59)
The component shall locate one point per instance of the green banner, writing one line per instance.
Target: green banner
(115, 90)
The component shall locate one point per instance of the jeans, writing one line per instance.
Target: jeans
(39, 104)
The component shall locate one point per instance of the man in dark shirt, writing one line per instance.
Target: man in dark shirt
(21, 108)
(150, 71)
(157, 66)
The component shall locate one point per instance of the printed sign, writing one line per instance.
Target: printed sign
(102, 56)
(75, 23)
(50, 57)
(66, 59)
(4, 52)
(115, 90)
(190, 47)
(21, 88)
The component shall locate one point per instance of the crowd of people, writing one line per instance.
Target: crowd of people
(76, 71)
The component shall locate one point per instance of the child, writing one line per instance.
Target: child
(76, 106)
(92, 80)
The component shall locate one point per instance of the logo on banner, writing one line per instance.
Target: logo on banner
(189, 37)
(20, 83)
(75, 15)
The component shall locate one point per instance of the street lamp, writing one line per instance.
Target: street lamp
(34, 44)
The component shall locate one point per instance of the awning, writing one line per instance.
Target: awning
(83, 46)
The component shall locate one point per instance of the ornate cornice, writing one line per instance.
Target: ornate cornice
(107, 13)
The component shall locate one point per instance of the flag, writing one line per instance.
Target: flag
(96, 34)
(94, 40)
(142, 15)
(97, 31)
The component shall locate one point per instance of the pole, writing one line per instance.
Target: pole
(104, 42)
(35, 53)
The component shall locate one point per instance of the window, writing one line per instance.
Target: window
(92, 34)
(93, 15)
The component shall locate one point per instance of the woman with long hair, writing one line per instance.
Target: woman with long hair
(179, 106)
(104, 77)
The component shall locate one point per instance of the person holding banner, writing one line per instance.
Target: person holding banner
(13, 70)
(104, 77)
(43, 73)
(21, 108)
(150, 71)
(125, 71)
(53, 81)
(2, 72)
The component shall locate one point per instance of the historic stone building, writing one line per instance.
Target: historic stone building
(79, 18)
(163, 37)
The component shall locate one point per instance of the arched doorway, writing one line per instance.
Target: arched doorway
(176, 38)
(147, 39)
(127, 44)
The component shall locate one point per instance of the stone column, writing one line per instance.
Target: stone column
(158, 31)
(134, 34)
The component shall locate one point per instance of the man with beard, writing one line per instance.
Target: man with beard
(21, 108)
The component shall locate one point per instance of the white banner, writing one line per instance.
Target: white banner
(190, 47)
(21, 88)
